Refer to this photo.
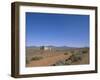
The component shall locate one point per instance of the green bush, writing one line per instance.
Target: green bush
(65, 53)
(76, 57)
(36, 58)
(84, 52)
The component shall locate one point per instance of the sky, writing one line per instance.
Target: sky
(57, 29)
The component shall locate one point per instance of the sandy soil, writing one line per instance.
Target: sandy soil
(49, 60)
(54, 57)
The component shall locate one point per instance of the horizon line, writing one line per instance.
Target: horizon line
(58, 46)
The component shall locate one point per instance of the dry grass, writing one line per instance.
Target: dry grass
(37, 57)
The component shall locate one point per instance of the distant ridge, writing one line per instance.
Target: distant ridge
(56, 47)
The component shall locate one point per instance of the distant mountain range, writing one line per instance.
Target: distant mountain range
(56, 47)
(50, 46)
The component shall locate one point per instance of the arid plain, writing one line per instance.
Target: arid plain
(56, 56)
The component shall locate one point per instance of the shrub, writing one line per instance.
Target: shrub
(53, 65)
(76, 57)
(27, 61)
(36, 58)
(72, 51)
(68, 62)
(84, 52)
(65, 53)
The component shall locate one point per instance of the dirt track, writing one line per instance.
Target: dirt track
(48, 60)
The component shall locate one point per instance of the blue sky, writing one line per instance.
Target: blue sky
(57, 29)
